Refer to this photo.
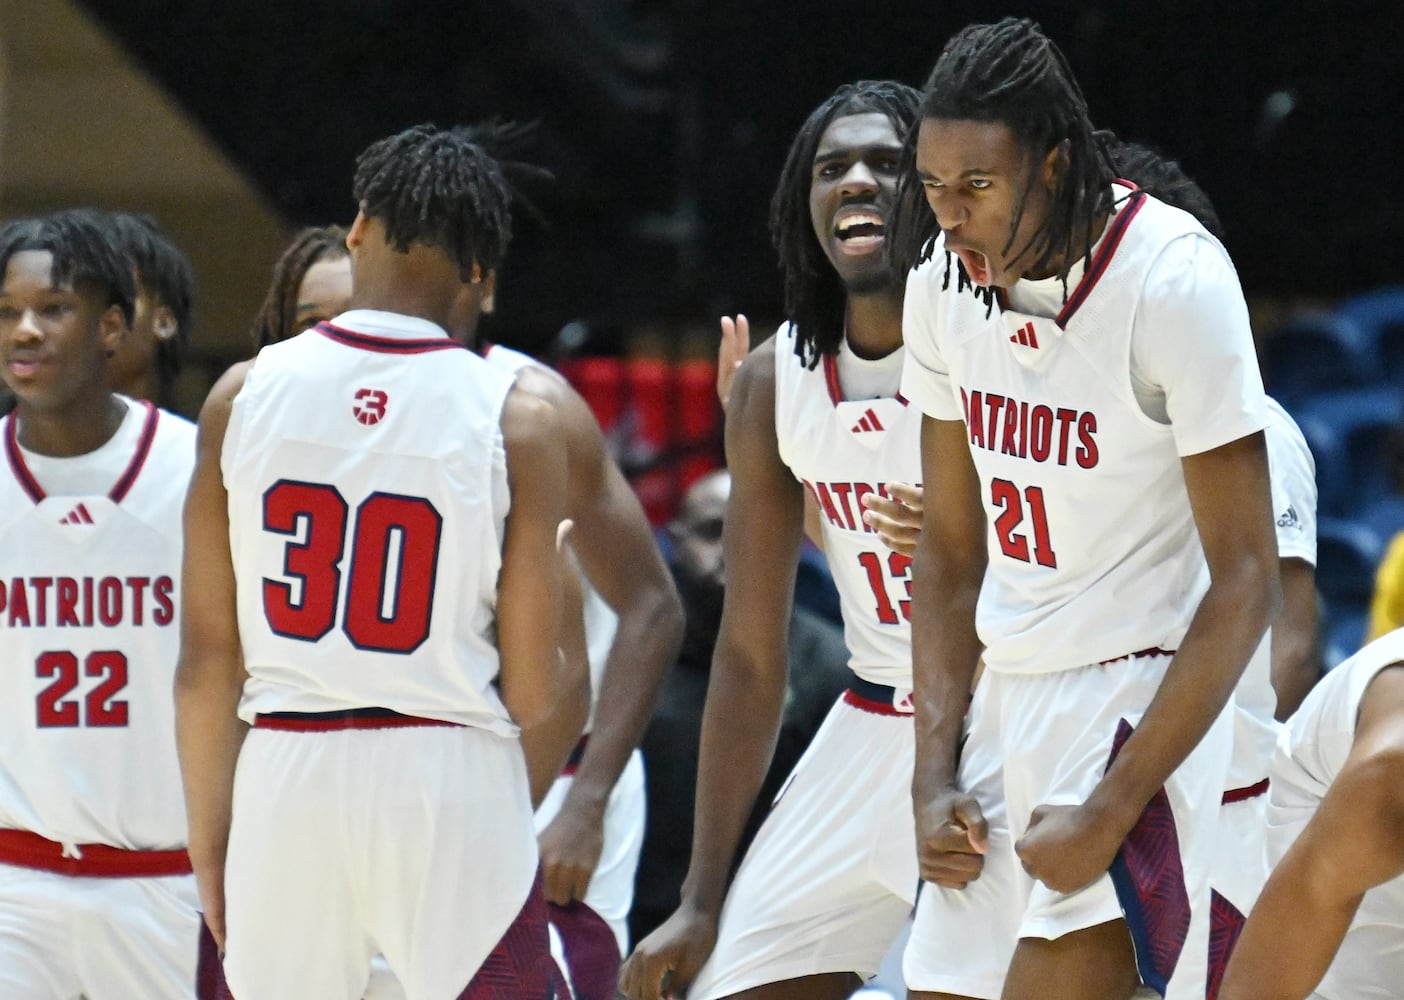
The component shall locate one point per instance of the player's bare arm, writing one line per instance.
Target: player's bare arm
(210, 672)
(1296, 655)
(529, 587)
(947, 570)
(1353, 843)
(618, 555)
(547, 744)
(764, 519)
(1066, 847)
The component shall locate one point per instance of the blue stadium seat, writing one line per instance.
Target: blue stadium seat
(1348, 433)
(814, 585)
(1342, 635)
(1316, 352)
(1385, 515)
(1379, 316)
(1347, 554)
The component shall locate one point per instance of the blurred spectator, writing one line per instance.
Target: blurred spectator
(818, 675)
(1387, 604)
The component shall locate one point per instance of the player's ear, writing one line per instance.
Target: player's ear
(1055, 164)
(356, 235)
(112, 327)
(489, 289)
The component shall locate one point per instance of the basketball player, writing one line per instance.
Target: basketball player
(148, 358)
(1083, 357)
(831, 875)
(1330, 922)
(311, 284)
(394, 624)
(96, 895)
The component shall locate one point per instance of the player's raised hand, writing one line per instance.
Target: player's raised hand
(735, 345)
(952, 838)
(664, 964)
(896, 517)
(1067, 847)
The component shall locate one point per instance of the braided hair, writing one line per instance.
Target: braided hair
(814, 296)
(1011, 73)
(277, 317)
(84, 253)
(440, 188)
(1158, 175)
(161, 269)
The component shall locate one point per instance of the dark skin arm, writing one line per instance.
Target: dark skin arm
(619, 557)
(1353, 843)
(764, 521)
(1066, 847)
(948, 566)
(210, 674)
(1296, 651)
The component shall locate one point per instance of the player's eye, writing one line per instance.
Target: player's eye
(979, 183)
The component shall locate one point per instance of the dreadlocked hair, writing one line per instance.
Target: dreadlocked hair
(1011, 73)
(84, 254)
(163, 271)
(277, 317)
(814, 296)
(1162, 177)
(440, 188)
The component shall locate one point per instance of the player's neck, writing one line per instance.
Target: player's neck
(142, 386)
(873, 324)
(85, 425)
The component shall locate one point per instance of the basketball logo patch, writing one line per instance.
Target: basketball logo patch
(369, 406)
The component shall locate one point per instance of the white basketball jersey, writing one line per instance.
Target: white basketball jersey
(1093, 552)
(600, 620)
(842, 450)
(1311, 752)
(88, 629)
(1293, 472)
(367, 501)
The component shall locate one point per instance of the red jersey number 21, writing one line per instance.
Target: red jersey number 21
(1013, 541)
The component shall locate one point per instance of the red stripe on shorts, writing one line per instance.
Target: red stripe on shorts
(29, 850)
(1246, 792)
(359, 718)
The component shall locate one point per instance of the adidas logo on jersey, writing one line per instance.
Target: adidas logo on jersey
(868, 424)
(1025, 335)
(78, 515)
(1289, 519)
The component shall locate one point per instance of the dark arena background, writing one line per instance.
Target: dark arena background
(665, 123)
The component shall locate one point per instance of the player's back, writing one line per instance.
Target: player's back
(368, 496)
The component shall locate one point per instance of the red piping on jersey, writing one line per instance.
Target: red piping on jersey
(831, 379)
(1153, 651)
(327, 722)
(143, 449)
(1246, 792)
(29, 850)
(1103, 256)
(22, 474)
(124, 482)
(387, 345)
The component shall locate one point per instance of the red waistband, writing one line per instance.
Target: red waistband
(352, 718)
(29, 850)
(1245, 793)
(860, 700)
(1153, 651)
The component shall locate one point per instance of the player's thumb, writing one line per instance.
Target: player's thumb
(970, 816)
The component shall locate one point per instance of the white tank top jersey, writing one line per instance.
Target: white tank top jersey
(1093, 552)
(88, 629)
(1293, 473)
(1311, 752)
(841, 450)
(367, 502)
(600, 620)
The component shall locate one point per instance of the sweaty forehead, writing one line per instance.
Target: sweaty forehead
(870, 129)
(950, 147)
